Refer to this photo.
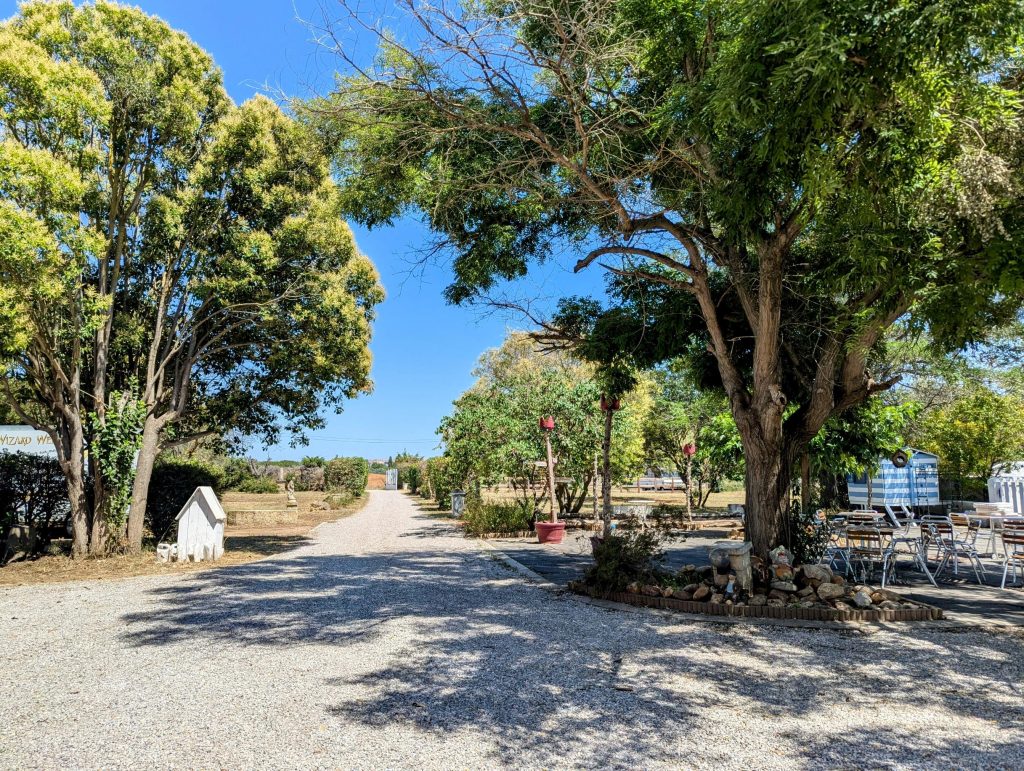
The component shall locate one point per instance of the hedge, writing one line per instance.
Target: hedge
(173, 481)
(347, 474)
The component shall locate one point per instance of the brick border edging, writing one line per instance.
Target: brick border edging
(925, 613)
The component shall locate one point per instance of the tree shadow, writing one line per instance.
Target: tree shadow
(563, 682)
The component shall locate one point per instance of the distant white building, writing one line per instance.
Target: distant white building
(201, 527)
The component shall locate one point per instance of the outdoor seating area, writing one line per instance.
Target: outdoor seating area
(984, 546)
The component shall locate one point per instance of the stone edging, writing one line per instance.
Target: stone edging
(925, 613)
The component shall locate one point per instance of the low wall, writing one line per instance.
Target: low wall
(262, 517)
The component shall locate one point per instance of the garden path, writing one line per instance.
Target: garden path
(387, 640)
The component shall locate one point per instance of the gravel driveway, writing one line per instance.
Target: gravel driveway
(390, 642)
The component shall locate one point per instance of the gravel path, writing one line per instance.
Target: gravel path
(390, 642)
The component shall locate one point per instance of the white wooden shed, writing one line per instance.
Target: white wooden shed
(201, 527)
(1007, 486)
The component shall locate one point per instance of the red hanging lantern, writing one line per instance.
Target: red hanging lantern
(690, 449)
(548, 423)
(609, 404)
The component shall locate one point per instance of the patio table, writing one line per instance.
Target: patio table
(993, 523)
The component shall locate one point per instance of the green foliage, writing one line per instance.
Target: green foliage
(492, 433)
(621, 559)
(775, 184)
(346, 475)
(809, 536)
(976, 432)
(315, 461)
(441, 482)
(257, 484)
(130, 181)
(115, 438)
(485, 518)
(32, 492)
(174, 481)
(410, 475)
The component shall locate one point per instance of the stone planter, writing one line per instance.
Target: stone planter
(550, 532)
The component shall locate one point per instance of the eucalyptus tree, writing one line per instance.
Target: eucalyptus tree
(805, 174)
(172, 265)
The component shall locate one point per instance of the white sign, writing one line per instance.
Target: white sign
(26, 439)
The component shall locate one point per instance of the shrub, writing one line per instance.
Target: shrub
(174, 480)
(441, 484)
(621, 559)
(33, 492)
(809, 536)
(347, 474)
(483, 518)
(258, 485)
(314, 461)
(410, 476)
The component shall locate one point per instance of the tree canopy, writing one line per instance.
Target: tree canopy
(168, 261)
(800, 175)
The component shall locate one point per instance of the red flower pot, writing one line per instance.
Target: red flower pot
(550, 532)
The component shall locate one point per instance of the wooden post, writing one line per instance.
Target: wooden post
(606, 479)
(594, 485)
(551, 475)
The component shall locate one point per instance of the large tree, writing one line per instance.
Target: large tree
(171, 264)
(805, 172)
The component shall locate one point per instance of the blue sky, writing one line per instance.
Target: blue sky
(424, 350)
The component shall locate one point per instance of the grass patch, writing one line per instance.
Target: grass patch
(241, 545)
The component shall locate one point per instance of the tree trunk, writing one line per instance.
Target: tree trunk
(606, 477)
(70, 445)
(767, 483)
(99, 534)
(805, 482)
(140, 487)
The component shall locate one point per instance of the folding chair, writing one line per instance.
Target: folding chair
(954, 547)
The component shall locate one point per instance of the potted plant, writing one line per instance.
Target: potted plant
(553, 531)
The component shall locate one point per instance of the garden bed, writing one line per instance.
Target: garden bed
(921, 612)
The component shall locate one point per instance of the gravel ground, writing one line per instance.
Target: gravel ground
(390, 642)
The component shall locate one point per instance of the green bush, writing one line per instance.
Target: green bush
(347, 474)
(256, 484)
(505, 518)
(33, 492)
(441, 484)
(410, 476)
(809, 536)
(174, 480)
(621, 559)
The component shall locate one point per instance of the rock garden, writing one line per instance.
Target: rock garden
(628, 568)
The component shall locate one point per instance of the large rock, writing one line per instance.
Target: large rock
(862, 599)
(818, 573)
(784, 586)
(758, 600)
(830, 591)
(702, 593)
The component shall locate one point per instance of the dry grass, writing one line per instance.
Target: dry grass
(716, 502)
(241, 545)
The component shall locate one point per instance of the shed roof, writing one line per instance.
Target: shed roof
(207, 500)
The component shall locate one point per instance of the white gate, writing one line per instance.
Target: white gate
(391, 480)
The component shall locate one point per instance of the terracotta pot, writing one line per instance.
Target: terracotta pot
(550, 532)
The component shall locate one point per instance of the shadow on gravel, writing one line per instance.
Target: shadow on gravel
(574, 684)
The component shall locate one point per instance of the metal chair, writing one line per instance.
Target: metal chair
(837, 552)
(1013, 552)
(953, 547)
(871, 546)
